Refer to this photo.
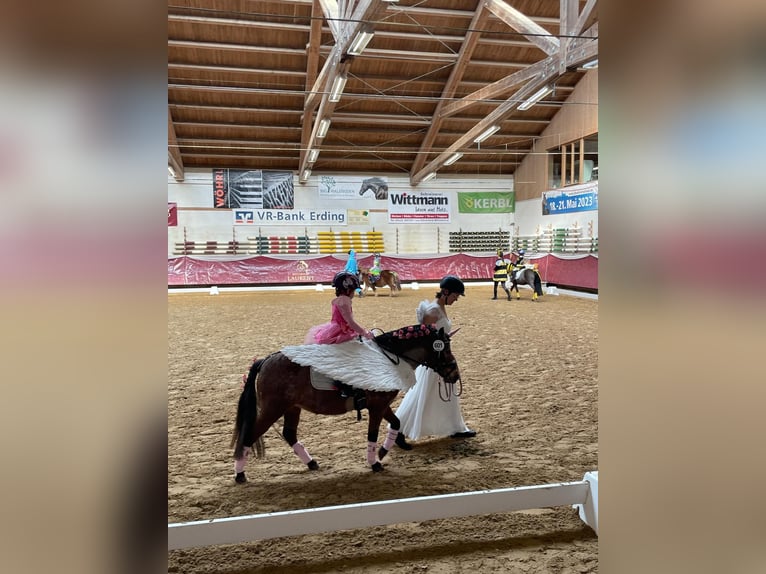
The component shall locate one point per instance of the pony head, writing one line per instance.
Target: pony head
(424, 345)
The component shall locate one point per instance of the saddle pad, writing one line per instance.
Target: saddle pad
(360, 364)
(321, 382)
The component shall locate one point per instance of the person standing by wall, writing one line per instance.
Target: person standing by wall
(353, 267)
(422, 411)
(501, 273)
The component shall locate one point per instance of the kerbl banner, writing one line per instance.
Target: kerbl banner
(486, 202)
(254, 189)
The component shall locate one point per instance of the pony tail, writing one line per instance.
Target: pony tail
(538, 284)
(247, 409)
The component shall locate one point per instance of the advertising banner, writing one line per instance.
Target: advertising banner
(582, 197)
(423, 207)
(172, 214)
(290, 217)
(486, 202)
(358, 217)
(254, 189)
(347, 187)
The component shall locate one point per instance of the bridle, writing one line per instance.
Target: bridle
(395, 358)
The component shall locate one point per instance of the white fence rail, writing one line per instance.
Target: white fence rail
(331, 518)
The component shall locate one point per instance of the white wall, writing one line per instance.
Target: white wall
(194, 197)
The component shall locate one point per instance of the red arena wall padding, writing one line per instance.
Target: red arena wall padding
(570, 270)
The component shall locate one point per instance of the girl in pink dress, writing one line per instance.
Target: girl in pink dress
(342, 326)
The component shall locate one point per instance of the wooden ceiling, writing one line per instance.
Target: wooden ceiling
(249, 82)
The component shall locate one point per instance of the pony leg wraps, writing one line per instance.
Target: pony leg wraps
(302, 453)
(390, 439)
(239, 463)
(372, 453)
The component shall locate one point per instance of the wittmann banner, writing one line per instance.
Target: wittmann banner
(423, 207)
(172, 214)
(582, 197)
(254, 189)
(345, 187)
(486, 202)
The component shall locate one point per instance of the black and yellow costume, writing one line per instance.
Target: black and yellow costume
(501, 274)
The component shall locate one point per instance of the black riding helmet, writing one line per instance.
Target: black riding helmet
(345, 280)
(453, 285)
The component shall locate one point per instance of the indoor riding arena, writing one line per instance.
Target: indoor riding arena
(529, 391)
(413, 140)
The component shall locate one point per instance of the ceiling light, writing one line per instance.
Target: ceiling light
(429, 177)
(453, 159)
(360, 43)
(590, 65)
(313, 155)
(536, 97)
(486, 133)
(171, 171)
(306, 174)
(324, 125)
(337, 88)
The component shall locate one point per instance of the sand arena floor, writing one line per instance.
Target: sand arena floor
(530, 392)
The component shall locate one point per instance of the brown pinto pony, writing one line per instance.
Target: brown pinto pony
(277, 387)
(387, 278)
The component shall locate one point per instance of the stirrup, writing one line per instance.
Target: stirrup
(360, 402)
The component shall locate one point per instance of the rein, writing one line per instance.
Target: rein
(448, 388)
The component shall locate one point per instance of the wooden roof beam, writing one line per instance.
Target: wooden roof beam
(331, 13)
(312, 65)
(502, 86)
(532, 31)
(494, 118)
(174, 155)
(456, 75)
(584, 15)
(568, 20)
(364, 11)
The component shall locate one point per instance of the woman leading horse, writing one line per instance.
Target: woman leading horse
(282, 384)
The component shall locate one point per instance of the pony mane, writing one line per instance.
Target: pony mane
(405, 336)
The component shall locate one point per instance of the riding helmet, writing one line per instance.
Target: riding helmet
(345, 280)
(521, 252)
(453, 285)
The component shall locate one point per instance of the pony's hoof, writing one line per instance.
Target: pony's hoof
(313, 465)
(377, 467)
(240, 478)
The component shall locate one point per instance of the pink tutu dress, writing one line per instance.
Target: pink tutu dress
(341, 327)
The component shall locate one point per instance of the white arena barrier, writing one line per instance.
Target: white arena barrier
(582, 494)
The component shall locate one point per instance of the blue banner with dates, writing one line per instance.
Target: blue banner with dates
(576, 198)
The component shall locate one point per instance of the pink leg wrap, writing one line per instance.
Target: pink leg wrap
(239, 463)
(302, 453)
(390, 439)
(372, 453)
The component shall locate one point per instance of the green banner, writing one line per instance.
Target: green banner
(486, 202)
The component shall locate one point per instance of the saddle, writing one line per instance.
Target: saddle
(322, 382)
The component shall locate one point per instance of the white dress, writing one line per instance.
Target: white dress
(422, 411)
